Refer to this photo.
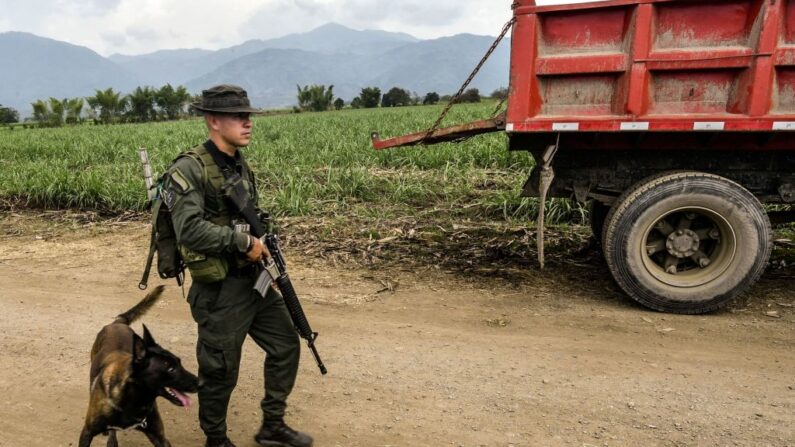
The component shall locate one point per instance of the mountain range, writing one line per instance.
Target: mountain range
(269, 69)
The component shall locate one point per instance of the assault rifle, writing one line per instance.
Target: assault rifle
(274, 268)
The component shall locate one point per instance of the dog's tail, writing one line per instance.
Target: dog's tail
(141, 308)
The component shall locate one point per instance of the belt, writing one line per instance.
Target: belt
(247, 271)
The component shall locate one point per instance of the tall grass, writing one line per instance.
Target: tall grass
(314, 163)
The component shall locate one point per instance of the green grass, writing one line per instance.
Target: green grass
(312, 163)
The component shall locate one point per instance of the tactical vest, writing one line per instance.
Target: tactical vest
(203, 268)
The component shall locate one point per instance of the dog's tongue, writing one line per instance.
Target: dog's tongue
(183, 399)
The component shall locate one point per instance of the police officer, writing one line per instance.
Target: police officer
(221, 257)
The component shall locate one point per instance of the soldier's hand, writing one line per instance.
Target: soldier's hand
(256, 251)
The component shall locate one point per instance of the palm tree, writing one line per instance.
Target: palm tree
(57, 109)
(172, 101)
(74, 108)
(183, 98)
(316, 98)
(41, 111)
(142, 104)
(109, 103)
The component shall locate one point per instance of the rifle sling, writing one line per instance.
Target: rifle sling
(152, 247)
(239, 197)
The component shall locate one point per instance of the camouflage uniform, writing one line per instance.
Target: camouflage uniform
(229, 309)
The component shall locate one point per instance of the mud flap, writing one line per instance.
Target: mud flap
(546, 176)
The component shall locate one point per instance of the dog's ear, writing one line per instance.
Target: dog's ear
(139, 350)
(149, 341)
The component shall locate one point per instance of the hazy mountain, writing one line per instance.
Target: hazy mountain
(269, 69)
(271, 76)
(38, 68)
(439, 65)
(161, 67)
(442, 65)
(334, 38)
(180, 66)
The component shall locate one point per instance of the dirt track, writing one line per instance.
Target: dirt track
(442, 360)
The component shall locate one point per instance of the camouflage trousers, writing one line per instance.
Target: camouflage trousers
(226, 312)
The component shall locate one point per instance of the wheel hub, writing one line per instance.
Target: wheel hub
(683, 243)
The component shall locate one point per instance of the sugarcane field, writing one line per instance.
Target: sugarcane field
(573, 228)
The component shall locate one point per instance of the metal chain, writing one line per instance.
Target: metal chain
(455, 98)
(499, 105)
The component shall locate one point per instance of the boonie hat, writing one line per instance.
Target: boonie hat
(225, 98)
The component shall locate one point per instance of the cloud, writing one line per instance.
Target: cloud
(142, 26)
(114, 38)
(418, 17)
(88, 7)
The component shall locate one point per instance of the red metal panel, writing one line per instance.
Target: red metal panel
(682, 25)
(662, 64)
(789, 22)
(638, 101)
(785, 90)
(578, 95)
(784, 56)
(692, 92)
(603, 63)
(528, 6)
(588, 31)
(524, 102)
(760, 88)
(671, 124)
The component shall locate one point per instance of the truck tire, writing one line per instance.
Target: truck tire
(687, 242)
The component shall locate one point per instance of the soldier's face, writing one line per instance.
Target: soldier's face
(234, 128)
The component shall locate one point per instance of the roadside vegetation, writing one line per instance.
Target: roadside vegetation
(307, 163)
(457, 203)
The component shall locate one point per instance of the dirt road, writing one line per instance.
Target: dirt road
(441, 359)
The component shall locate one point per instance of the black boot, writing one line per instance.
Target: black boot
(275, 433)
(219, 442)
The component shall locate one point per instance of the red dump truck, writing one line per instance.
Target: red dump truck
(675, 119)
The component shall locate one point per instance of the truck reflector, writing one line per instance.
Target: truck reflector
(709, 125)
(784, 125)
(638, 125)
(566, 127)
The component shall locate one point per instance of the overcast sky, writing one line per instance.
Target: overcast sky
(143, 26)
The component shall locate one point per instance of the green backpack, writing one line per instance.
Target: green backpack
(163, 241)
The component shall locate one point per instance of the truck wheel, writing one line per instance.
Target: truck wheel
(597, 213)
(687, 242)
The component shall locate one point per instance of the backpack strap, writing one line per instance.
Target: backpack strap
(211, 171)
(195, 156)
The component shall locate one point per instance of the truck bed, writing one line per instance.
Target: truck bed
(653, 65)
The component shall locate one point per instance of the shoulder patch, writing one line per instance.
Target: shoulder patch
(169, 198)
(180, 182)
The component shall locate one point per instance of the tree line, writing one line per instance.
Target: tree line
(147, 104)
(319, 98)
(144, 104)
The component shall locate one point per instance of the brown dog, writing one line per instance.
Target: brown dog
(127, 374)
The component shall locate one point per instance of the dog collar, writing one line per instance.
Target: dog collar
(140, 425)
